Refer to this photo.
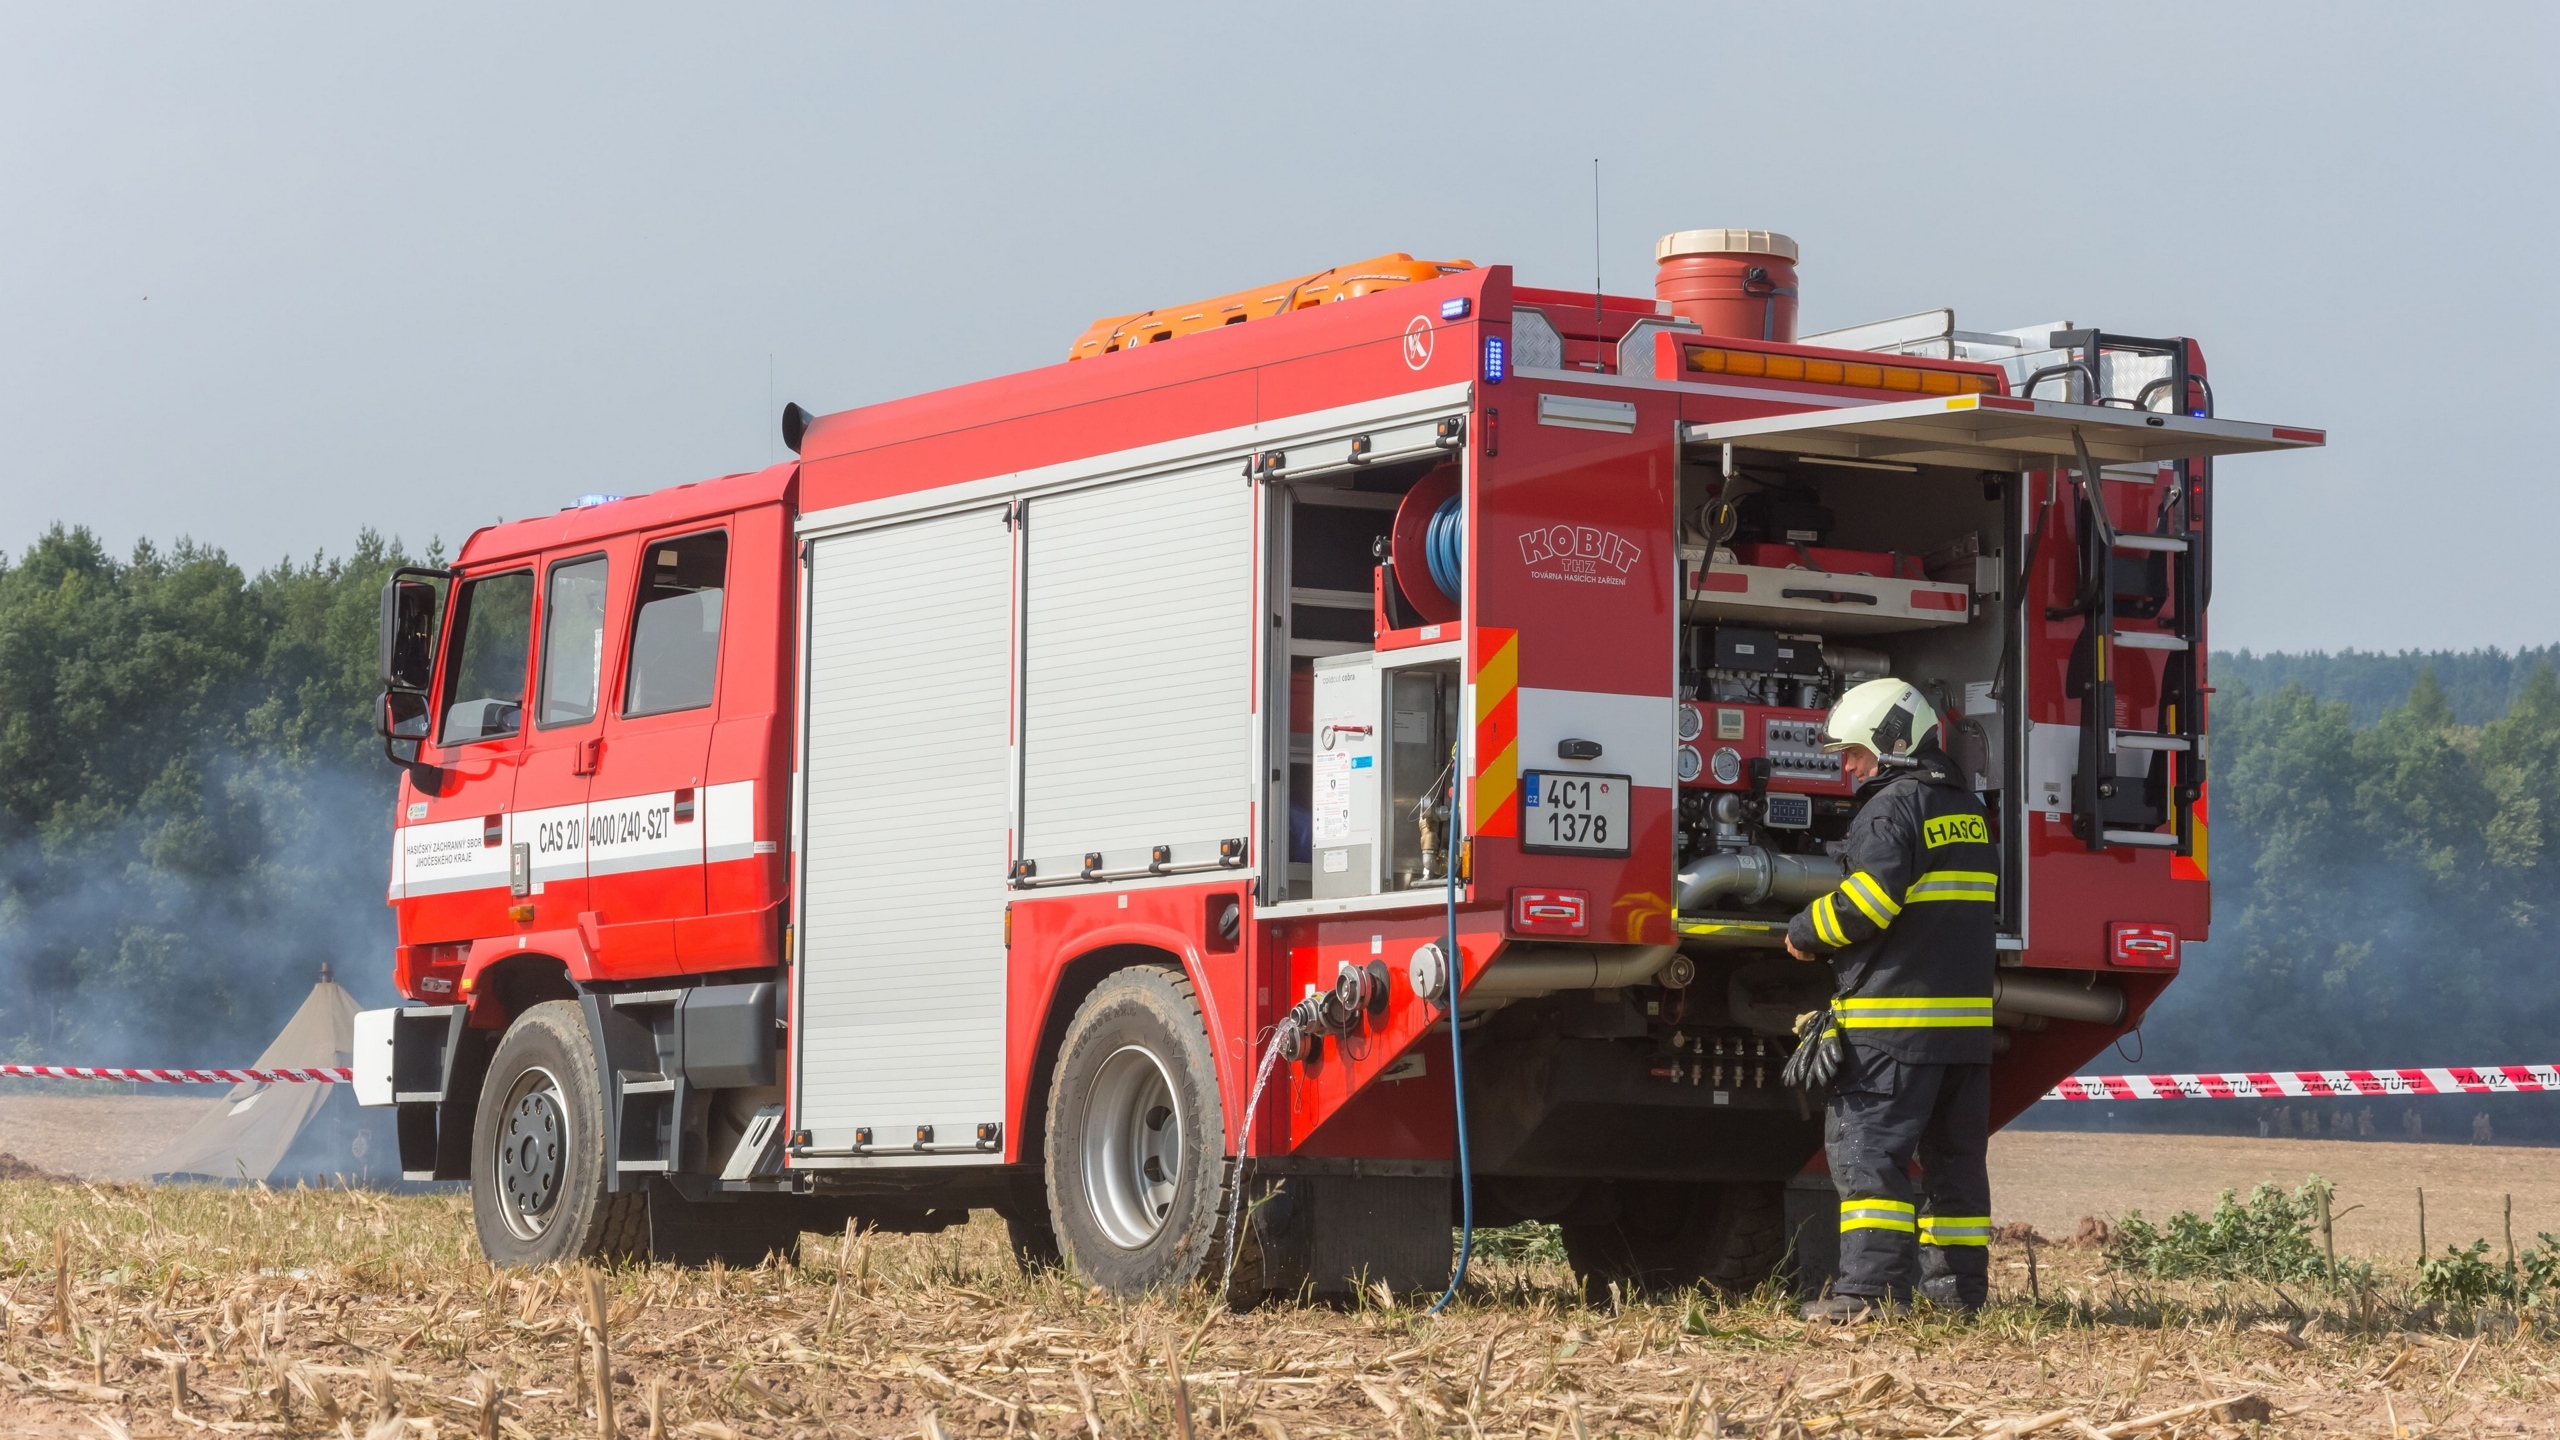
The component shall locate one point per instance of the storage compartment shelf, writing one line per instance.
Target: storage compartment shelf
(1820, 601)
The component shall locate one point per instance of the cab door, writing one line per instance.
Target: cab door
(645, 809)
(561, 744)
(452, 846)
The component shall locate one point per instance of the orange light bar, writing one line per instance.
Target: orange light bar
(1909, 379)
(1298, 292)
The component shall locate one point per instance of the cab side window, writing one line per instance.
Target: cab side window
(572, 642)
(493, 641)
(675, 628)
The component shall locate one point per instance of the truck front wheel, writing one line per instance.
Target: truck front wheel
(538, 1151)
(1136, 1135)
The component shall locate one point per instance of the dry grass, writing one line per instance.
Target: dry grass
(327, 1313)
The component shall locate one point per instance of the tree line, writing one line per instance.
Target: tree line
(195, 815)
(2385, 895)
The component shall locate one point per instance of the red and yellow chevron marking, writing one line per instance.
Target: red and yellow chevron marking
(2193, 866)
(1497, 749)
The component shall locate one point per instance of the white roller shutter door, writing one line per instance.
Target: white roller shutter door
(1138, 670)
(902, 962)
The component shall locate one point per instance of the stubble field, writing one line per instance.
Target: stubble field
(323, 1312)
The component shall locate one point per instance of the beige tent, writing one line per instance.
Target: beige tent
(286, 1131)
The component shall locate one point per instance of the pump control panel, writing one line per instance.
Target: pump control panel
(1719, 742)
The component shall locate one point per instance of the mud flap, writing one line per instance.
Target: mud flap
(737, 1230)
(437, 1064)
(1334, 1235)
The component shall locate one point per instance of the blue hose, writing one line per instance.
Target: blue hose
(1457, 1052)
(1444, 546)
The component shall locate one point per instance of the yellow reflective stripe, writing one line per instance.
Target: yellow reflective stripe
(1864, 893)
(1954, 885)
(1877, 1214)
(1826, 925)
(1955, 1229)
(1915, 1012)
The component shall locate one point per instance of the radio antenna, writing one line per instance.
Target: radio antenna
(1597, 339)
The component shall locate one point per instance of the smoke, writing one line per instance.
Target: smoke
(185, 935)
(2386, 893)
(194, 815)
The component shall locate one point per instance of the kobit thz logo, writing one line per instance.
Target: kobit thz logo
(1579, 554)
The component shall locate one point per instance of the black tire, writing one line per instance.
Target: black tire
(1136, 1065)
(540, 1133)
(1669, 1236)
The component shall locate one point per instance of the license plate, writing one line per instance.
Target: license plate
(1570, 813)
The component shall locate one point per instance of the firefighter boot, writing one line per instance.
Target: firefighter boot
(1851, 1309)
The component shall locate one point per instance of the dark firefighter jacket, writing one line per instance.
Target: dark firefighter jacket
(1910, 932)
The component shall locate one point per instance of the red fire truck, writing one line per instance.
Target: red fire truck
(1136, 791)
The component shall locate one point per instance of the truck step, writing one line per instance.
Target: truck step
(2148, 740)
(2148, 640)
(2156, 544)
(2140, 837)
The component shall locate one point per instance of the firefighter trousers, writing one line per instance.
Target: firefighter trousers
(1884, 1114)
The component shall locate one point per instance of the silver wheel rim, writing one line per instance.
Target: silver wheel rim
(531, 1153)
(1132, 1147)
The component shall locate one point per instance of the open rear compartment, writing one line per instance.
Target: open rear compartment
(1802, 578)
(1798, 580)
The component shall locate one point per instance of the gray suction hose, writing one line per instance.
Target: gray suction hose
(1752, 874)
(2015, 992)
(1524, 971)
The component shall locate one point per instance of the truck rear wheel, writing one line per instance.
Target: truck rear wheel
(1136, 1135)
(538, 1150)
(1668, 1236)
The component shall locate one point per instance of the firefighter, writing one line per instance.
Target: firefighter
(1909, 937)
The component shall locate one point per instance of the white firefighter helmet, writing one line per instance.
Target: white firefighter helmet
(1886, 716)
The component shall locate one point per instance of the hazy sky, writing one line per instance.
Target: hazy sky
(269, 274)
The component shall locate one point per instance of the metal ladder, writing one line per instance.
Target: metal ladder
(2168, 569)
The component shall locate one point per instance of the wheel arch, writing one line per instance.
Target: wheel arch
(1076, 979)
(511, 982)
(499, 984)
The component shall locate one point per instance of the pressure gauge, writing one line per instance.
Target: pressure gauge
(1690, 764)
(1691, 722)
(1726, 765)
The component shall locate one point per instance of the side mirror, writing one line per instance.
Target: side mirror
(404, 716)
(409, 636)
(404, 721)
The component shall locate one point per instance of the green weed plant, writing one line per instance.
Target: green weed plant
(2271, 1236)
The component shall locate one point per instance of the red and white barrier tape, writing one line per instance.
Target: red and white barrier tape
(2274, 1085)
(341, 1076)
(2298, 1084)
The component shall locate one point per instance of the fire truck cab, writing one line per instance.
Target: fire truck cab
(1317, 764)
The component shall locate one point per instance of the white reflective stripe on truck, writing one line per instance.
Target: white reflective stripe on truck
(601, 837)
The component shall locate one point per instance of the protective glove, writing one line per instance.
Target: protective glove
(1821, 1049)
